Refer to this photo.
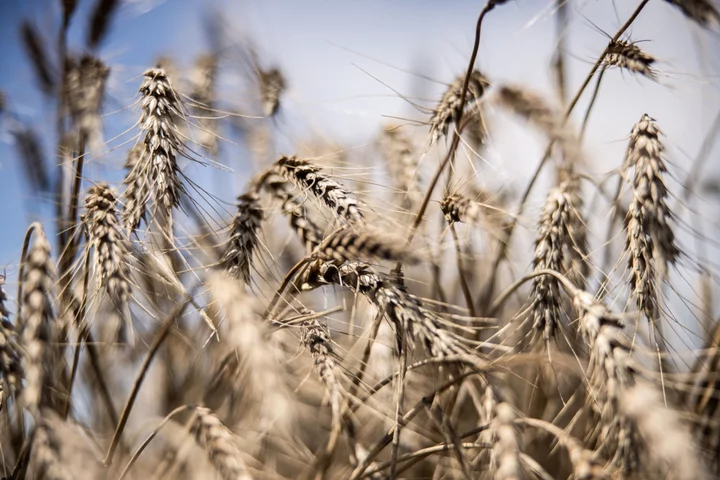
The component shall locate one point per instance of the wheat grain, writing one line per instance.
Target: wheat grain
(292, 206)
(84, 90)
(629, 56)
(272, 86)
(221, 448)
(310, 177)
(237, 259)
(37, 320)
(316, 339)
(702, 12)
(397, 148)
(157, 164)
(348, 244)
(111, 249)
(10, 352)
(650, 240)
(447, 111)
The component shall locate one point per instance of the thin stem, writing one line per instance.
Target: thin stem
(150, 437)
(596, 90)
(159, 338)
(417, 408)
(505, 241)
(82, 336)
(399, 405)
(456, 135)
(519, 283)
(461, 272)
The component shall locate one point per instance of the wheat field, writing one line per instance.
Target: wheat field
(379, 312)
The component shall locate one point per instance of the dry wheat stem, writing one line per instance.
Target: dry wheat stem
(160, 336)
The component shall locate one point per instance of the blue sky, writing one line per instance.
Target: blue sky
(330, 50)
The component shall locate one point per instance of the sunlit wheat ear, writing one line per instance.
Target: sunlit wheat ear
(272, 86)
(535, 110)
(668, 439)
(404, 311)
(447, 111)
(334, 195)
(348, 244)
(112, 256)
(46, 459)
(261, 375)
(576, 264)
(650, 240)
(309, 233)
(137, 189)
(397, 148)
(703, 12)
(552, 243)
(483, 208)
(629, 56)
(316, 339)
(505, 445)
(243, 239)
(84, 90)
(610, 372)
(157, 163)
(203, 78)
(37, 320)
(220, 445)
(10, 352)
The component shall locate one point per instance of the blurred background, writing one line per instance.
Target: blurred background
(351, 66)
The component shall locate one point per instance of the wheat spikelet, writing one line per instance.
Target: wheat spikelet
(157, 163)
(629, 56)
(505, 446)
(38, 55)
(611, 371)
(552, 244)
(397, 148)
(111, 250)
(702, 12)
(481, 208)
(346, 244)
(237, 259)
(37, 319)
(292, 206)
(404, 311)
(100, 21)
(10, 352)
(668, 440)
(203, 78)
(576, 265)
(310, 177)
(532, 107)
(447, 111)
(220, 445)
(272, 86)
(30, 151)
(85, 88)
(650, 240)
(261, 375)
(316, 339)
(46, 453)
(137, 188)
